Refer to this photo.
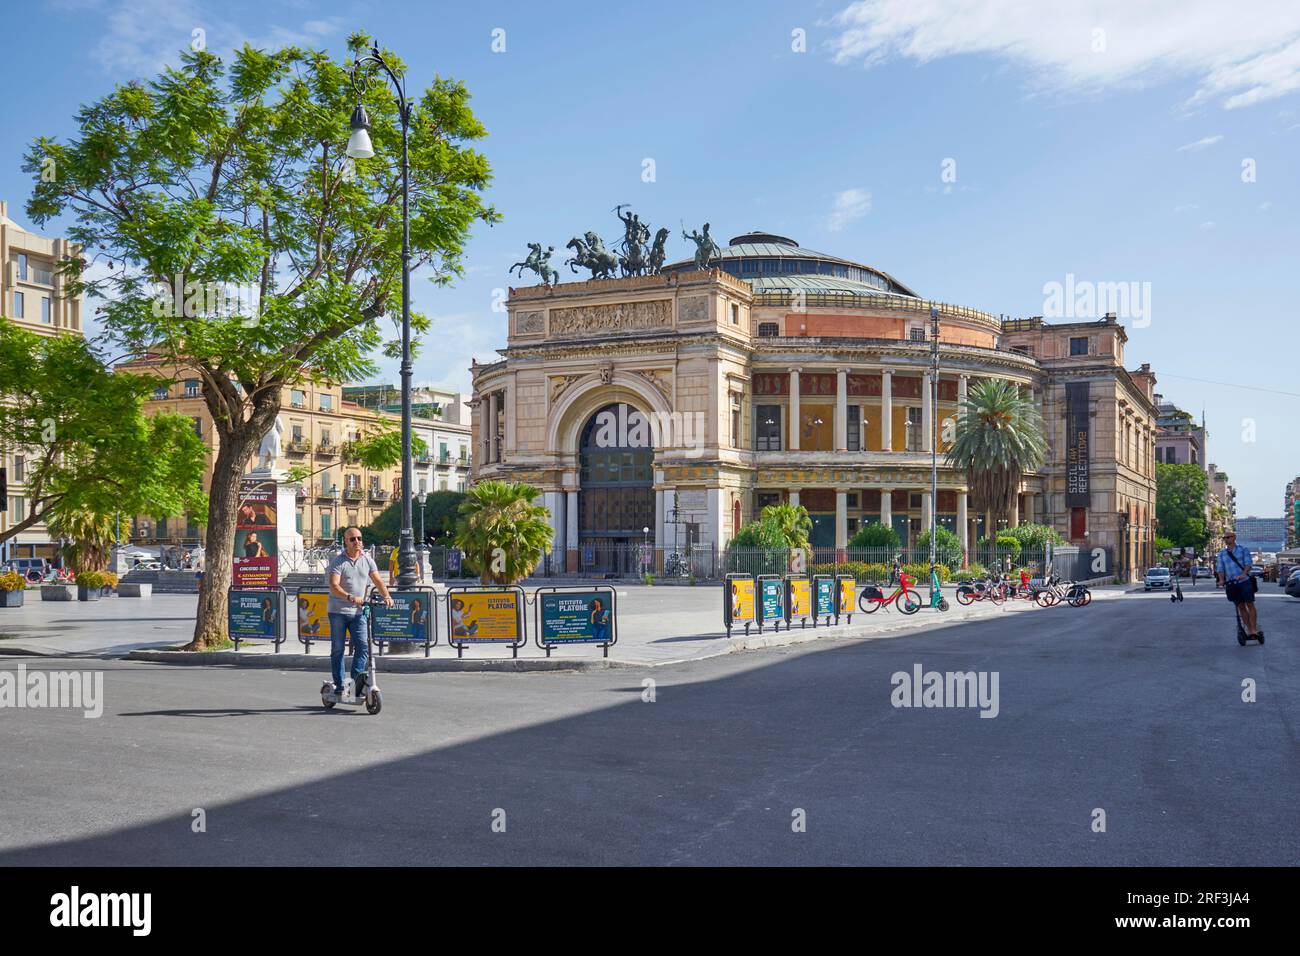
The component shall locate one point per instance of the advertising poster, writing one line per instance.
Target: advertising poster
(801, 598)
(453, 562)
(1077, 452)
(773, 600)
(576, 618)
(313, 616)
(409, 619)
(486, 617)
(825, 597)
(848, 595)
(254, 614)
(741, 597)
(255, 563)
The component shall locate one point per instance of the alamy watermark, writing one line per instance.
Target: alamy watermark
(1084, 299)
(628, 428)
(947, 689)
(75, 690)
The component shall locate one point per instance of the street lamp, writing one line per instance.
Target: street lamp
(360, 147)
(335, 496)
(934, 437)
(422, 498)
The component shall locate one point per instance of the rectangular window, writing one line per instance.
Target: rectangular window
(22, 267)
(735, 426)
(854, 435)
(191, 388)
(18, 305)
(768, 428)
(1078, 522)
(45, 309)
(735, 314)
(325, 531)
(297, 433)
(297, 522)
(20, 468)
(18, 508)
(1079, 346)
(914, 435)
(160, 393)
(442, 485)
(327, 403)
(325, 438)
(297, 399)
(916, 333)
(460, 485)
(198, 427)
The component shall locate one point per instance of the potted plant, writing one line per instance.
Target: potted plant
(90, 585)
(12, 585)
(110, 582)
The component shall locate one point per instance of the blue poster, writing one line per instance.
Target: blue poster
(825, 597)
(409, 619)
(773, 600)
(581, 617)
(453, 561)
(254, 614)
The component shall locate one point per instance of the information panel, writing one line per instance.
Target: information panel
(254, 615)
(409, 619)
(254, 564)
(741, 596)
(576, 617)
(800, 597)
(773, 595)
(313, 616)
(483, 617)
(825, 597)
(848, 595)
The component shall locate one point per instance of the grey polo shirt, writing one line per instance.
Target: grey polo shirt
(354, 577)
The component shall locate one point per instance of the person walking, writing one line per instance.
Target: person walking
(350, 575)
(1232, 573)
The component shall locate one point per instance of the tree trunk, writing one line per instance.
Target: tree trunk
(219, 542)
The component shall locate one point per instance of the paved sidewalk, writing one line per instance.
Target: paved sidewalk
(656, 626)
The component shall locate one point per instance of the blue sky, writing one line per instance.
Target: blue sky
(1087, 138)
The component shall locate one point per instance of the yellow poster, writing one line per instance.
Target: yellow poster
(742, 599)
(801, 598)
(485, 616)
(848, 595)
(313, 617)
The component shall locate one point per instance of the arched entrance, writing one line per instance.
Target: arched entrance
(616, 500)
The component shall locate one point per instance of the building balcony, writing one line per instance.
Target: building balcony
(327, 451)
(352, 494)
(297, 446)
(424, 458)
(379, 494)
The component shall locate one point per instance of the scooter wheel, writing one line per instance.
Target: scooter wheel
(374, 702)
(1261, 637)
(325, 700)
(943, 604)
(1241, 638)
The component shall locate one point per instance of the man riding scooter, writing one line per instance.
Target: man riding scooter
(350, 575)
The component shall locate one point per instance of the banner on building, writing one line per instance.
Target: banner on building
(1077, 446)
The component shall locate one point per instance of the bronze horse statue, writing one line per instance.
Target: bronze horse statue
(592, 254)
(539, 262)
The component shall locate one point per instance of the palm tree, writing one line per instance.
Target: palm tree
(90, 537)
(502, 531)
(999, 437)
(792, 522)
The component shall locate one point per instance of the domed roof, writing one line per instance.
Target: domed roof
(772, 263)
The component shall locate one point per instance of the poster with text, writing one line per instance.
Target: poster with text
(484, 617)
(773, 599)
(255, 564)
(409, 619)
(825, 597)
(313, 616)
(848, 595)
(801, 598)
(254, 614)
(741, 596)
(577, 618)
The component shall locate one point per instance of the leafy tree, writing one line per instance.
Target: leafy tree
(759, 534)
(502, 530)
(792, 524)
(206, 178)
(91, 451)
(1034, 537)
(1163, 544)
(91, 537)
(1180, 504)
(947, 546)
(998, 438)
(876, 535)
(441, 511)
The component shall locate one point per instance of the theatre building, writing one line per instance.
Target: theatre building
(784, 374)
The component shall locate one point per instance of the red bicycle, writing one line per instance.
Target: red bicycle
(904, 597)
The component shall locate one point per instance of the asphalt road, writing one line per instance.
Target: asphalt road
(1131, 705)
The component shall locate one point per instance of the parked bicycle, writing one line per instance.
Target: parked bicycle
(904, 597)
(990, 589)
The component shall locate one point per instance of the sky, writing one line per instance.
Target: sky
(980, 152)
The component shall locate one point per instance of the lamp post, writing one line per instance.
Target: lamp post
(422, 498)
(934, 438)
(359, 147)
(334, 496)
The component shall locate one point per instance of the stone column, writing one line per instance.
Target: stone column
(794, 497)
(571, 535)
(1030, 507)
(841, 409)
(793, 424)
(886, 410)
(1013, 518)
(555, 505)
(887, 507)
(927, 509)
(927, 413)
(841, 522)
(661, 533)
(962, 381)
(492, 427)
(963, 525)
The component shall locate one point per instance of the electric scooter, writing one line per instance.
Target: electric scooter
(369, 690)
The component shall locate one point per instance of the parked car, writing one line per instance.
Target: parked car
(1201, 572)
(1157, 578)
(1293, 584)
(33, 569)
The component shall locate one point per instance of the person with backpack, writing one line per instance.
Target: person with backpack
(1232, 573)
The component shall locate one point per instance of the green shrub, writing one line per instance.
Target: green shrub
(947, 549)
(974, 570)
(92, 580)
(875, 535)
(861, 570)
(12, 581)
(1033, 537)
(920, 573)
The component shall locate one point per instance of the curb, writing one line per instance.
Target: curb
(388, 664)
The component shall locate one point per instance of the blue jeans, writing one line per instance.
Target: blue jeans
(340, 625)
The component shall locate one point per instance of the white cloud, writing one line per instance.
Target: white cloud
(141, 36)
(848, 206)
(1238, 54)
(1200, 144)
